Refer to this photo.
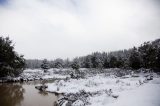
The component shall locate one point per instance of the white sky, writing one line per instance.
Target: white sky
(69, 28)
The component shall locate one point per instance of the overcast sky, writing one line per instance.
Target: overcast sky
(69, 28)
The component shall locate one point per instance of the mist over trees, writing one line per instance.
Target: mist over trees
(145, 56)
(11, 63)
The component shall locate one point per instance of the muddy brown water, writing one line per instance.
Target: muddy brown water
(25, 94)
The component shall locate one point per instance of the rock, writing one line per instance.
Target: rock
(41, 87)
(65, 104)
(21, 79)
(117, 81)
(149, 78)
(109, 92)
(115, 96)
(140, 82)
(36, 78)
(78, 103)
(69, 103)
(71, 99)
(62, 101)
(30, 79)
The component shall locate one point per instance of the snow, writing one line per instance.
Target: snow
(40, 74)
(145, 95)
(78, 103)
(94, 84)
(107, 89)
(128, 91)
(32, 70)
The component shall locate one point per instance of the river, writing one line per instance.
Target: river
(24, 94)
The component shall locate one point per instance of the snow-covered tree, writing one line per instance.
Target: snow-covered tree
(67, 63)
(146, 56)
(97, 60)
(11, 64)
(45, 65)
(88, 62)
(113, 62)
(75, 66)
(134, 59)
(59, 63)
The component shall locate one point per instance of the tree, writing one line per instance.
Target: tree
(148, 55)
(76, 74)
(113, 62)
(120, 62)
(134, 59)
(157, 61)
(45, 65)
(11, 64)
(75, 66)
(67, 63)
(106, 63)
(156, 54)
(97, 60)
(88, 62)
(58, 63)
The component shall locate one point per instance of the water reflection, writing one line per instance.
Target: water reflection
(25, 94)
(11, 94)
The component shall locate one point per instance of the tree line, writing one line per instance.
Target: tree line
(147, 55)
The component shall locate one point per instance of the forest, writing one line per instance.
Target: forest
(147, 55)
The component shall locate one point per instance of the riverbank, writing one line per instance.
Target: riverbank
(104, 89)
(37, 74)
(96, 87)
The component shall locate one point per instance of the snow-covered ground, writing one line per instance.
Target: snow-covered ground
(145, 95)
(113, 91)
(32, 74)
(95, 83)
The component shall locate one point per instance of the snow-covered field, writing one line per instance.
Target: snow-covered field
(104, 89)
(113, 91)
(145, 95)
(32, 74)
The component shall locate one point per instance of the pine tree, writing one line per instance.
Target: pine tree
(134, 59)
(157, 61)
(75, 66)
(88, 62)
(45, 65)
(148, 55)
(58, 63)
(113, 62)
(11, 64)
